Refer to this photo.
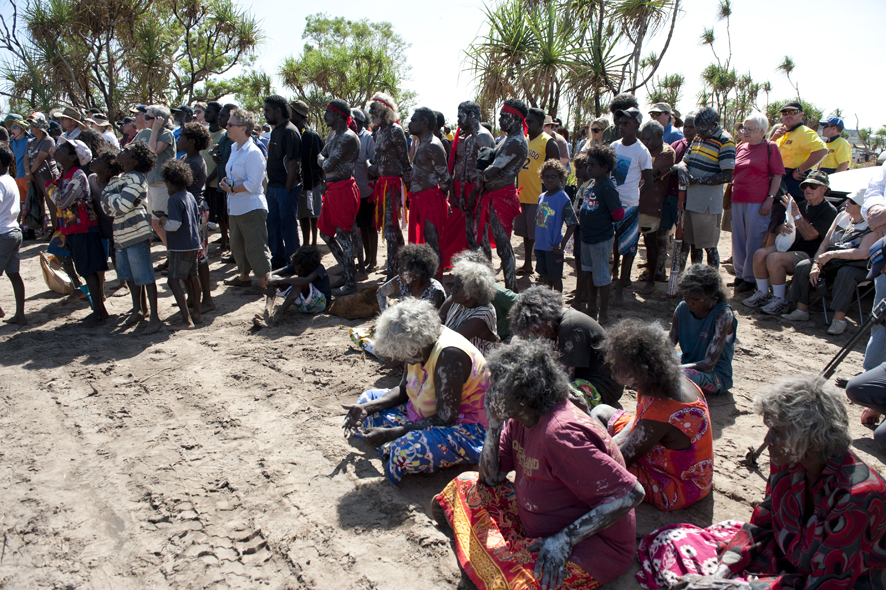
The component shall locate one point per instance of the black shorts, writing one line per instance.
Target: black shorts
(218, 204)
(549, 264)
(182, 264)
(87, 252)
(366, 214)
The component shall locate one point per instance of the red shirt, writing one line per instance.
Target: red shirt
(754, 169)
(565, 466)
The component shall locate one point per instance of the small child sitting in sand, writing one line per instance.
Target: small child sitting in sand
(309, 290)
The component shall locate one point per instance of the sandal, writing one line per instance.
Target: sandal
(236, 282)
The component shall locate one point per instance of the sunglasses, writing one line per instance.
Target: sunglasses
(597, 130)
(827, 125)
(654, 114)
(790, 112)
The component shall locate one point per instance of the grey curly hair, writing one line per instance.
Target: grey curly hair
(388, 114)
(807, 410)
(537, 307)
(477, 256)
(406, 329)
(478, 282)
(524, 372)
(704, 279)
(644, 350)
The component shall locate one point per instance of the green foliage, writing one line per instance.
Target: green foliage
(110, 54)
(249, 90)
(667, 89)
(350, 60)
(811, 113)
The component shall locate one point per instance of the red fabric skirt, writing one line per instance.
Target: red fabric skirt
(382, 185)
(340, 205)
(429, 205)
(506, 205)
(455, 238)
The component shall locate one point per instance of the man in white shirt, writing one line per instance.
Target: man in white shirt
(11, 236)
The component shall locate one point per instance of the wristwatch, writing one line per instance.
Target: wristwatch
(797, 217)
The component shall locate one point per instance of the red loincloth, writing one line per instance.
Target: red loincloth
(340, 205)
(427, 205)
(454, 238)
(506, 205)
(394, 183)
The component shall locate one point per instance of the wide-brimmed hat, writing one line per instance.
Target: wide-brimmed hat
(817, 178)
(548, 120)
(661, 107)
(678, 121)
(15, 119)
(857, 196)
(66, 113)
(84, 154)
(100, 119)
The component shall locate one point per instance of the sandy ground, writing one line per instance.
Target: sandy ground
(215, 458)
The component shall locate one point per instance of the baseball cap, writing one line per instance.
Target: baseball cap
(792, 104)
(817, 177)
(632, 112)
(126, 121)
(300, 107)
(142, 108)
(834, 121)
(877, 259)
(661, 107)
(84, 154)
(184, 109)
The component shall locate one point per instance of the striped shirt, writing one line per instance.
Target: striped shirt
(124, 200)
(707, 157)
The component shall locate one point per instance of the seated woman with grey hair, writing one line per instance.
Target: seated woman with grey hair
(822, 523)
(435, 418)
(468, 310)
(539, 312)
(568, 519)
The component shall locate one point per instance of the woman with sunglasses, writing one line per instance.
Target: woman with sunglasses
(595, 134)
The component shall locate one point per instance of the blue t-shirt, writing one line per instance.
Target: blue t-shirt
(694, 336)
(19, 148)
(553, 211)
(183, 208)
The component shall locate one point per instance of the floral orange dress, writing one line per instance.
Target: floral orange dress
(673, 479)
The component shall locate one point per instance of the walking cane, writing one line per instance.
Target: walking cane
(678, 260)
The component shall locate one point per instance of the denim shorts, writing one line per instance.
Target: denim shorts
(595, 260)
(134, 264)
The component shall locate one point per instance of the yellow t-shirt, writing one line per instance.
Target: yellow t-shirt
(529, 179)
(796, 145)
(423, 394)
(839, 151)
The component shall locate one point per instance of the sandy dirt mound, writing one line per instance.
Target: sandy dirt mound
(215, 458)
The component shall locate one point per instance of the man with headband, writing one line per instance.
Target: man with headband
(469, 138)
(338, 216)
(392, 169)
(428, 208)
(499, 204)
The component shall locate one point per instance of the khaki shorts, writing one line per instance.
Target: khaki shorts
(702, 230)
(798, 257)
(158, 198)
(649, 223)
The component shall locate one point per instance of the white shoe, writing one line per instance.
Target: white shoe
(796, 316)
(212, 226)
(758, 299)
(837, 327)
(776, 306)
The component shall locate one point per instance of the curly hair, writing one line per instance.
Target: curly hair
(109, 159)
(198, 134)
(389, 114)
(469, 106)
(604, 156)
(703, 279)
(706, 116)
(623, 102)
(275, 101)
(419, 260)
(404, 330)
(643, 350)
(177, 173)
(145, 157)
(94, 141)
(307, 258)
(655, 126)
(476, 256)
(807, 410)
(478, 282)
(554, 165)
(537, 307)
(525, 372)
(516, 103)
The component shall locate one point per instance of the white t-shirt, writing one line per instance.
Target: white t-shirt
(632, 159)
(111, 138)
(9, 205)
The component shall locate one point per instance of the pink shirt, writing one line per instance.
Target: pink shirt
(565, 466)
(754, 169)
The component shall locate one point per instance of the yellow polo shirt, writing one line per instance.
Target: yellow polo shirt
(839, 151)
(796, 145)
(529, 179)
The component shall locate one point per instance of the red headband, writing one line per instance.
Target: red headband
(383, 102)
(516, 113)
(351, 125)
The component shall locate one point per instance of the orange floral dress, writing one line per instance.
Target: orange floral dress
(673, 479)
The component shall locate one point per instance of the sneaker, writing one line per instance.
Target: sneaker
(758, 299)
(777, 306)
(212, 226)
(837, 327)
(796, 316)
